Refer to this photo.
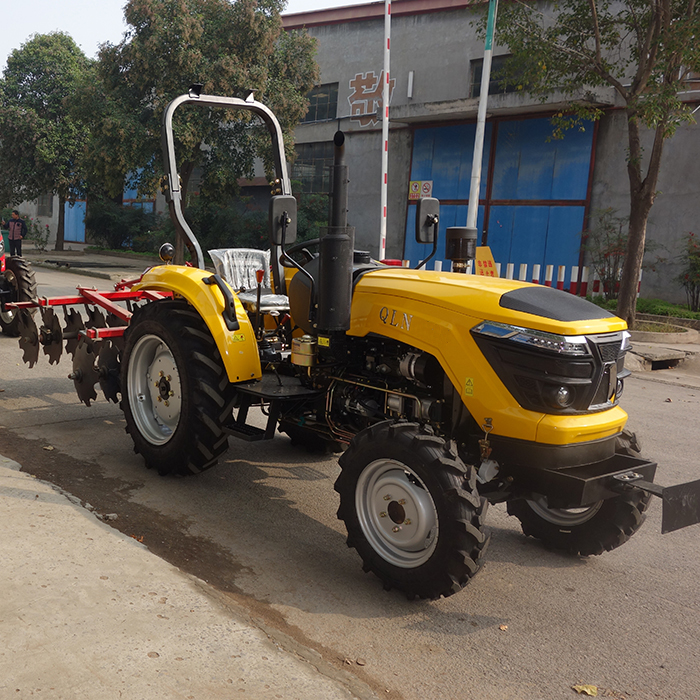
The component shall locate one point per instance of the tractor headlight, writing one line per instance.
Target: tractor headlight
(553, 373)
(561, 344)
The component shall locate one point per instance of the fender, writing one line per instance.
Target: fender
(238, 349)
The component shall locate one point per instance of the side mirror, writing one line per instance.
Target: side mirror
(283, 220)
(427, 216)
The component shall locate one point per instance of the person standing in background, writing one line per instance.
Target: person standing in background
(18, 230)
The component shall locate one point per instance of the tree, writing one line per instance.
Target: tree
(41, 140)
(643, 50)
(231, 48)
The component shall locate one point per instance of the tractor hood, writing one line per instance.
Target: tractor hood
(481, 298)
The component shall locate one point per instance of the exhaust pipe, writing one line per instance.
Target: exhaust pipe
(336, 252)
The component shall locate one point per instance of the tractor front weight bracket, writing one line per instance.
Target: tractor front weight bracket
(681, 503)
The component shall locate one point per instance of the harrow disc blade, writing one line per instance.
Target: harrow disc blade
(108, 368)
(116, 322)
(84, 374)
(96, 319)
(51, 336)
(28, 337)
(74, 324)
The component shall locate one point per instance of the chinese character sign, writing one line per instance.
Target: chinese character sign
(366, 97)
(485, 264)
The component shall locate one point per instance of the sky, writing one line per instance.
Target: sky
(90, 22)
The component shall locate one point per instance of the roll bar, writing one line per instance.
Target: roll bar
(174, 194)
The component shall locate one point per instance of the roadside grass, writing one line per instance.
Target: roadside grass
(656, 307)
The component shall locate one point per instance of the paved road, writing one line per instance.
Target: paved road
(261, 527)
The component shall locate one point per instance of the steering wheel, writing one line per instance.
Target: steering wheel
(303, 248)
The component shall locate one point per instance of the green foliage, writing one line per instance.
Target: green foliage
(689, 277)
(113, 226)
(41, 140)
(231, 48)
(657, 307)
(637, 47)
(634, 51)
(605, 244)
(38, 234)
(312, 215)
(232, 225)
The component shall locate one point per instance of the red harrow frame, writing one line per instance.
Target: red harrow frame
(95, 345)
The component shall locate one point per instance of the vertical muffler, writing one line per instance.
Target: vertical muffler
(336, 252)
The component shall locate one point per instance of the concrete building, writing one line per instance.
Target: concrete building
(537, 194)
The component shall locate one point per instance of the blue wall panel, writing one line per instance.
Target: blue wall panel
(530, 164)
(529, 167)
(564, 236)
(572, 164)
(74, 224)
(444, 155)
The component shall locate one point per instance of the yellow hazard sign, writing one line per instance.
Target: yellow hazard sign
(484, 264)
(469, 387)
(239, 337)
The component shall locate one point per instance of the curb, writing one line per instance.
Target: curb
(72, 270)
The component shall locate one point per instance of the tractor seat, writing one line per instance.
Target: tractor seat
(238, 267)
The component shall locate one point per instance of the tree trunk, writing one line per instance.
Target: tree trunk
(60, 231)
(631, 269)
(642, 195)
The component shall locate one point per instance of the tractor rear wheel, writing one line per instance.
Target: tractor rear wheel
(595, 529)
(19, 279)
(175, 392)
(411, 509)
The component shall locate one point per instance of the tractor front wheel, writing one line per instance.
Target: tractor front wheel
(175, 392)
(595, 529)
(411, 509)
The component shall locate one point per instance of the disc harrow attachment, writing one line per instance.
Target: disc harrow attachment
(108, 366)
(85, 374)
(51, 335)
(113, 321)
(95, 344)
(74, 324)
(28, 337)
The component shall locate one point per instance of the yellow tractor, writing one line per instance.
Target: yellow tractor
(444, 391)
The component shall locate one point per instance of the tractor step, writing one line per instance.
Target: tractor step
(272, 388)
(249, 433)
(276, 386)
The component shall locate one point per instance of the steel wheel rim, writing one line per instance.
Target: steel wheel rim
(564, 517)
(155, 391)
(9, 316)
(397, 514)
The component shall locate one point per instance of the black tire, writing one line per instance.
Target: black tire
(182, 432)
(434, 494)
(587, 531)
(19, 278)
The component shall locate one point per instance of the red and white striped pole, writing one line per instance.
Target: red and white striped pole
(561, 272)
(573, 285)
(584, 282)
(385, 129)
(536, 274)
(548, 274)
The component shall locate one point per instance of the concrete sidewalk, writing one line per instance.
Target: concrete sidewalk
(89, 613)
(111, 267)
